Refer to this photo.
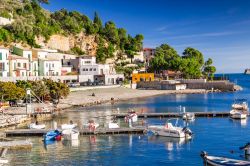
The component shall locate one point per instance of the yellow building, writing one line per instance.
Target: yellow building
(137, 77)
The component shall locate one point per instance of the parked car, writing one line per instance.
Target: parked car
(74, 84)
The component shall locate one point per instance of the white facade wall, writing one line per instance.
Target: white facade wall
(59, 56)
(42, 54)
(4, 62)
(139, 57)
(5, 21)
(50, 67)
(90, 60)
(19, 67)
(27, 54)
(96, 69)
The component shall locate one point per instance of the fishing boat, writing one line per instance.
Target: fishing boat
(168, 130)
(91, 125)
(70, 134)
(52, 135)
(238, 114)
(132, 115)
(189, 116)
(240, 104)
(222, 161)
(37, 126)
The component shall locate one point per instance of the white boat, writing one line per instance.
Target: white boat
(70, 134)
(131, 116)
(113, 125)
(188, 116)
(37, 126)
(168, 130)
(240, 104)
(238, 114)
(68, 126)
(91, 125)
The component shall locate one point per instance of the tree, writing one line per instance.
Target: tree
(193, 53)
(209, 70)
(9, 91)
(166, 58)
(98, 22)
(111, 33)
(40, 89)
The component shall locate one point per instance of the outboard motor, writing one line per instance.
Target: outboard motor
(187, 131)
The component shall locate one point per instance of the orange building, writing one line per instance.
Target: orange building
(137, 77)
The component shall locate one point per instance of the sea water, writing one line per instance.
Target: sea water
(217, 136)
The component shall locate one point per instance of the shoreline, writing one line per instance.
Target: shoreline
(119, 94)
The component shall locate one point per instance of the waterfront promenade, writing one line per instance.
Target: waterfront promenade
(104, 95)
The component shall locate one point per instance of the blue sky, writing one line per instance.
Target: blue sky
(220, 29)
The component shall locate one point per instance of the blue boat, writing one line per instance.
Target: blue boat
(51, 135)
(222, 161)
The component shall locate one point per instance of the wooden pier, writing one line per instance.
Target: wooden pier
(174, 115)
(101, 131)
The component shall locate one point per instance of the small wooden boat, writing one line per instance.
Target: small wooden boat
(238, 114)
(37, 126)
(222, 161)
(52, 135)
(70, 134)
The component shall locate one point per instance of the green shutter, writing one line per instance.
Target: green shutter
(1, 56)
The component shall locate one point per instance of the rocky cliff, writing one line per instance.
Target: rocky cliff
(87, 43)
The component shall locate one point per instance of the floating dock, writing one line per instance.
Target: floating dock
(174, 115)
(41, 132)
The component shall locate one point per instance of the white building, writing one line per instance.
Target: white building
(88, 66)
(4, 62)
(49, 67)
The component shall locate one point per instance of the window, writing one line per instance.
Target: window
(87, 62)
(57, 73)
(83, 69)
(47, 65)
(90, 69)
(24, 65)
(18, 64)
(87, 69)
(1, 56)
(94, 69)
(52, 64)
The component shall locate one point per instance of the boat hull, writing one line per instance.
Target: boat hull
(70, 135)
(34, 126)
(222, 161)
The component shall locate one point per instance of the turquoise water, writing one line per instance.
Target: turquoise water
(218, 136)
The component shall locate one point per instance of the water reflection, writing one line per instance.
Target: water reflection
(170, 143)
(240, 122)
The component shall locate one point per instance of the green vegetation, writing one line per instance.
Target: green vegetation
(43, 89)
(191, 64)
(31, 20)
(77, 51)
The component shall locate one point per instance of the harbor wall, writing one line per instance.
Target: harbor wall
(213, 85)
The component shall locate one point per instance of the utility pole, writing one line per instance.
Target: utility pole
(28, 97)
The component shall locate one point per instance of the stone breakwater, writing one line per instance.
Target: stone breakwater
(85, 98)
